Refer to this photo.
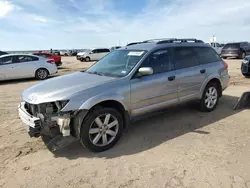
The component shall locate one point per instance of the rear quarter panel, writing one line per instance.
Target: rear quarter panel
(213, 70)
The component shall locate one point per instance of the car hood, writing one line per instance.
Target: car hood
(81, 53)
(63, 87)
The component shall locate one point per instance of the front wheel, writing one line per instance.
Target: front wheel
(87, 59)
(209, 98)
(101, 129)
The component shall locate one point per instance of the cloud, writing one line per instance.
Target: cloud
(6, 8)
(40, 19)
(104, 23)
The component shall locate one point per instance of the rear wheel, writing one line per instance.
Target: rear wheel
(42, 74)
(210, 97)
(243, 55)
(101, 129)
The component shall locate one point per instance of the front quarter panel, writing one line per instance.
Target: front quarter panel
(118, 91)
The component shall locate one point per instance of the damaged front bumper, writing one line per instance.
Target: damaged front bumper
(62, 130)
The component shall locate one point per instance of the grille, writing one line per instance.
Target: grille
(31, 108)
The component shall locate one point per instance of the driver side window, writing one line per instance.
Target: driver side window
(159, 61)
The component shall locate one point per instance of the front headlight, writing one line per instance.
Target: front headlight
(245, 61)
(54, 107)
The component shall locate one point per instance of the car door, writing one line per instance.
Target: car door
(155, 91)
(189, 74)
(24, 66)
(6, 67)
(94, 55)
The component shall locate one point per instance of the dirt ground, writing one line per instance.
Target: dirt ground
(181, 147)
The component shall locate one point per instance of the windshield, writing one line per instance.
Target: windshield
(117, 63)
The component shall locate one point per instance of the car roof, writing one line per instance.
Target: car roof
(148, 46)
(7, 55)
(41, 53)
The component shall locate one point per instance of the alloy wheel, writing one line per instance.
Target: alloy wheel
(211, 97)
(103, 130)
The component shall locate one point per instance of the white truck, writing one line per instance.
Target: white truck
(217, 46)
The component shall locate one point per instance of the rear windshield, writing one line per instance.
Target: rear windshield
(232, 45)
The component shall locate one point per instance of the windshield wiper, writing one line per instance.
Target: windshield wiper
(97, 73)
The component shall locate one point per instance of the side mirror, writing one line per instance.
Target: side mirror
(145, 71)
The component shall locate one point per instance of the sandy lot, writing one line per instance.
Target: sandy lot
(181, 147)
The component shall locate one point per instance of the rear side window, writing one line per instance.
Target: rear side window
(24, 58)
(5, 60)
(102, 50)
(185, 57)
(207, 55)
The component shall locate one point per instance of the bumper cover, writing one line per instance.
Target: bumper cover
(245, 68)
(33, 124)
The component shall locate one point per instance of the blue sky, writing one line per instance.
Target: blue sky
(57, 24)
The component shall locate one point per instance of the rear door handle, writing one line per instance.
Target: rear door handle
(171, 78)
(202, 71)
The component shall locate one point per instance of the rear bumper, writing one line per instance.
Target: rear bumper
(225, 81)
(59, 63)
(230, 55)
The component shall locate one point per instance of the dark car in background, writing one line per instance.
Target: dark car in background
(237, 50)
(115, 48)
(3, 53)
(245, 66)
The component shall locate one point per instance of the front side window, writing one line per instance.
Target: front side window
(185, 57)
(5, 60)
(117, 63)
(159, 61)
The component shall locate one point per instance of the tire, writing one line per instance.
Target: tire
(243, 55)
(42, 74)
(246, 75)
(213, 101)
(81, 59)
(102, 137)
(87, 59)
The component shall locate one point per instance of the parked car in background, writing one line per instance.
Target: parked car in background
(80, 54)
(3, 53)
(57, 59)
(56, 52)
(96, 106)
(115, 48)
(245, 66)
(94, 54)
(217, 47)
(237, 49)
(14, 66)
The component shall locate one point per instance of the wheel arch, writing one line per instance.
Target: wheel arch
(212, 80)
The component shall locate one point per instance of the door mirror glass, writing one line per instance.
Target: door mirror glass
(145, 71)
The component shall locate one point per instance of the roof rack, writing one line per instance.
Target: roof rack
(180, 40)
(158, 40)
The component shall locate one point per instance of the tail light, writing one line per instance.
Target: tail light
(225, 65)
(51, 61)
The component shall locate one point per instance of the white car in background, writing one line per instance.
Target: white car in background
(15, 66)
(94, 54)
